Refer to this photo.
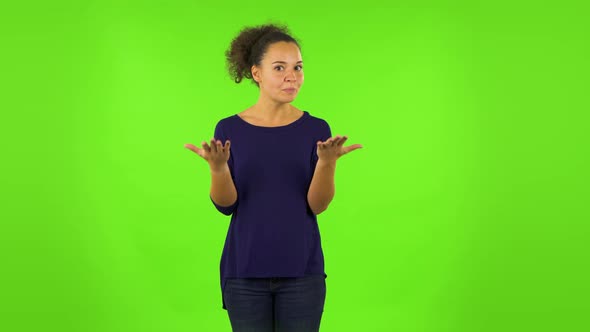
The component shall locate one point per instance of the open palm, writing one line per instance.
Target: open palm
(333, 148)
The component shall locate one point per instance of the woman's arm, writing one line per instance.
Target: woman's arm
(223, 191)
(321, 189)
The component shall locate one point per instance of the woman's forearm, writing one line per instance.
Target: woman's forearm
(321, 189)
(223, 191)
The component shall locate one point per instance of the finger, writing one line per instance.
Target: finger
(213, 145)
(333, 140)
(206, 147)
(189, 147)
(219, 146)
(336, 140)
(192, 148)
(342, 140)
(227, 145)
(200, 152)
(352, 148)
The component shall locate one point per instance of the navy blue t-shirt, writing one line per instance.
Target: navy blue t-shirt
(272, 231)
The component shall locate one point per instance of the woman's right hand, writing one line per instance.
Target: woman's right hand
(216, 154)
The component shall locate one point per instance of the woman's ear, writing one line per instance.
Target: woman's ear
(254, 71)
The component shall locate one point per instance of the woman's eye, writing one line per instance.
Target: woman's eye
(282, 67)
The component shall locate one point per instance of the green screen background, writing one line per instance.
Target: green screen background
(465, 210)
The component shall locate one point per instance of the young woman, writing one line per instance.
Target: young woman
(277, 177)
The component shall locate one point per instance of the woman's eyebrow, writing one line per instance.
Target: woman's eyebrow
(285, 62)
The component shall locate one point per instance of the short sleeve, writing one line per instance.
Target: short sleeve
(324, 134)
(219, 134)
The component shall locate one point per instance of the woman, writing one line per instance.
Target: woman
(277, 177)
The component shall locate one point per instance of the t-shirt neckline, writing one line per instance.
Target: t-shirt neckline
(289, 125)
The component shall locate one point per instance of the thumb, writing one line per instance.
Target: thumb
(193, 148)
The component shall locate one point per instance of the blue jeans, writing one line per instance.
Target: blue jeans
(285, 304)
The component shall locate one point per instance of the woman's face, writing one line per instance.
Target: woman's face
(281, 68)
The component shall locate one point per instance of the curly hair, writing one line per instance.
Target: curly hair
(250, 45)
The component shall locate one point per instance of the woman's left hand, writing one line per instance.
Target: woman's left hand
(332, 148)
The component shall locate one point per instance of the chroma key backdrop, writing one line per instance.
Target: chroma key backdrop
(466, 210)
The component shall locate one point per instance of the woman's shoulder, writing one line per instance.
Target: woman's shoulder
(318, 121)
